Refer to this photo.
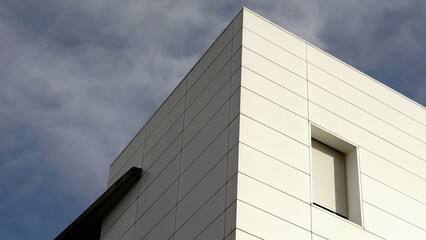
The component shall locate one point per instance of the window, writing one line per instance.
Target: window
(335, 175)
(329, 178)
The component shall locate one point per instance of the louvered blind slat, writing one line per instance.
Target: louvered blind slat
(329, 178)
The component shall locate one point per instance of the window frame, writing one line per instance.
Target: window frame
(353, 174)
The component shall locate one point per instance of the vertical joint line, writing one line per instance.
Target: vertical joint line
(229, 128)
(180, 157)
(143, 132)
(309, 140)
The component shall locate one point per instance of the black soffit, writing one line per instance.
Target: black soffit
(88, 224)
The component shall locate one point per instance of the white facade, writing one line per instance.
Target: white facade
(228, 154)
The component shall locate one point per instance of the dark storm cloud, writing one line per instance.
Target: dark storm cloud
(79, 78)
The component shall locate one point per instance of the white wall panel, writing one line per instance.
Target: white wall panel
(230, 236)
(267, 226)
(206, 113)
(273, 72)
(231, 190)
(150, 173)
(150, 194)
(366, 102)
(366, 121)
(122, 225)
(388, 226)
(129, 234)
(165, 125)
(156, 212)
(217, 71)
(241, 235)
(274, 116)
(271, 171)
(204, 163)
(214, 230)
(204, 137)
(274, 53)
(276, 93)
(274, 33)
(230, 217)
(163, 230)
(236, 60)
(274, 201)
(236, 81)
(331, 226)
(212, 53)
(393, 176)
(166, 107)
(203, 96)
(235, 103)
(274, 144)
(232, 162)
(222, 59)
(121, 207)
(393, 202)
(234, 132)
(163, 144)
(316, 237)
(237, 41)
(366, 84)
(238, 21)
(203, 217)
(201, 193)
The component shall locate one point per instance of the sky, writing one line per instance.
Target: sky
(79, 78)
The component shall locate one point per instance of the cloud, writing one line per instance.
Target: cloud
(80, 78)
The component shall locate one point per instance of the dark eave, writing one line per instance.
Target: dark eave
(88, 224)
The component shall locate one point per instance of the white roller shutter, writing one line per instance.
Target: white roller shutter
(329, 178)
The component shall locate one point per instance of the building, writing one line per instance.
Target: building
(268, 137)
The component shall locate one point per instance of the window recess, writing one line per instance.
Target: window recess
(335, 175)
